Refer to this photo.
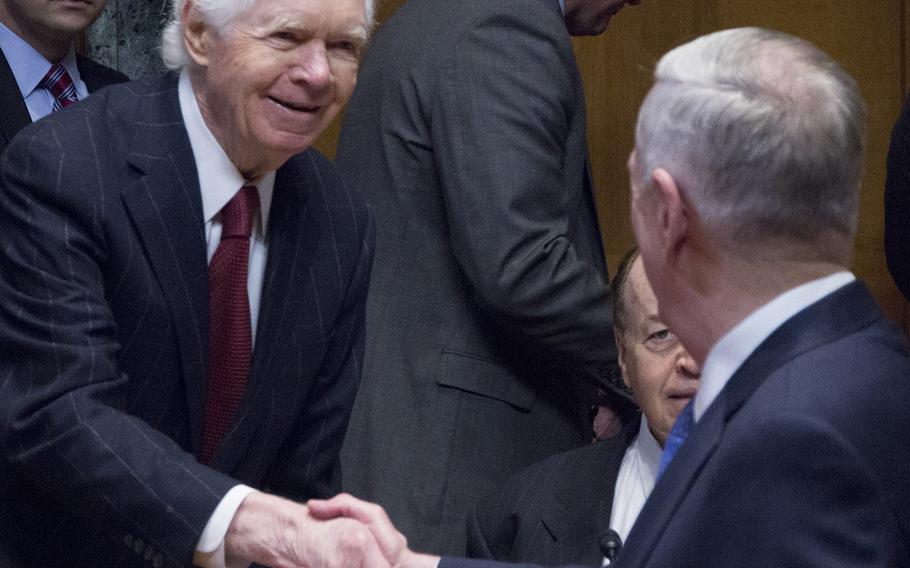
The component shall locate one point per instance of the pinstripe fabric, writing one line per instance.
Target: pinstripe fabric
(104, 329)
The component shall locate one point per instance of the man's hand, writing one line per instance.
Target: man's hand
(280, 533)
(393, 544)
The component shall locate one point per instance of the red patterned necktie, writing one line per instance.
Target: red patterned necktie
(58, 82)
(231, 338)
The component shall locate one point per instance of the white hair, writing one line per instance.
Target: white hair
(763, 132)
(218, 13)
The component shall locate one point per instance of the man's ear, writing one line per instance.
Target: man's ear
(621, 350)
(673, 215)
(196, 34)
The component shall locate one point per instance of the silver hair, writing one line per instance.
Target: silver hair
(220, 14)
(763, 132)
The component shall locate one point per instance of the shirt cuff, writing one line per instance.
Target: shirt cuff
(210, 548)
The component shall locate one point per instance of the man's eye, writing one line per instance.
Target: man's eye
(283, 36)
(345, 46)
(661, 335)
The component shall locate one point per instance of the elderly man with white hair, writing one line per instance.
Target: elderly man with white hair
(796, 449)
(182, 285)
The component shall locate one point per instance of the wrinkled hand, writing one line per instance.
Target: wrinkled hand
(392, 543)
(276, 532)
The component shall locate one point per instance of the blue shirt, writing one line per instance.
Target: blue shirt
(29, 68)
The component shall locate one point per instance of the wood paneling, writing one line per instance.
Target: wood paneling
(866, 37)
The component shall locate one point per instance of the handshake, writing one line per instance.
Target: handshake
(342, 532)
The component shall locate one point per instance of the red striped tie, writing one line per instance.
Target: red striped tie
(58, 82)
(231, 339)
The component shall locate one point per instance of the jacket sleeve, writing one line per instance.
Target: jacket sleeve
(66, 427)
(501, 119)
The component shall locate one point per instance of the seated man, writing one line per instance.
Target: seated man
(557, 511)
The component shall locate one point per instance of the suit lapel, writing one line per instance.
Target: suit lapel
(582, 508)
(842, 312)
(165, 206)
(13, 112)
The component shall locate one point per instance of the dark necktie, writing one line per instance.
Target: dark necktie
(231, 337)
(57, 81)
(678, 434)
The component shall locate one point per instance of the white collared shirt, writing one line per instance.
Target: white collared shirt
(29, 67)
(728, 354)
(219, 181)
(637, 474)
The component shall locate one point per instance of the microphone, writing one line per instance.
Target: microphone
(610, 544)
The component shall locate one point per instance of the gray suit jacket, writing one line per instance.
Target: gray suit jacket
(104, 335)
(489, 297)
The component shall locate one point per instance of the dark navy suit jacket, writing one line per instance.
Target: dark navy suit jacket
(13, 112)
(803, 460)
(555, 511)
(104, 330)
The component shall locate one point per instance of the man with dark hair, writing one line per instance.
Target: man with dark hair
(39, 69)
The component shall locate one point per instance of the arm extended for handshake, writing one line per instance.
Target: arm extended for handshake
(391, 543)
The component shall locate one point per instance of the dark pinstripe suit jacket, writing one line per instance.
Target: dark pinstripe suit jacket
(555, 511)
(13, 112)
(104, 335)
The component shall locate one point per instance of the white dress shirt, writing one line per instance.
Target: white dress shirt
(735, 347)
(219, 181)
(635, 480)
(29, 68)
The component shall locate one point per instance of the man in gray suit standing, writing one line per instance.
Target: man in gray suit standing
(488, 320)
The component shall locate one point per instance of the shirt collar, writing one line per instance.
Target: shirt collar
(219, 179)
(648, 449)
(734, 348)
(562, 6)
(28, 65)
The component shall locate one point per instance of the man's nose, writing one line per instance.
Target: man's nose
(313, 66)
(686, 365)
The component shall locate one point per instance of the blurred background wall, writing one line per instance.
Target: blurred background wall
(869, 38)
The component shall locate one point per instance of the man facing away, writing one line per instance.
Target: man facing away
(39, 69)
(796, 449)
(489, 313)
(560, 510)
(182, 287)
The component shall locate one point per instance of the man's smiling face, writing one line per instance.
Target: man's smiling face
(270, 84)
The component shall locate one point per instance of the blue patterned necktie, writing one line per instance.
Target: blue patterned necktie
(677, 436)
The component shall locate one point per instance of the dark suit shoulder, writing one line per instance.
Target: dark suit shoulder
(570, 482)
(96, 75)
(82, 155)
